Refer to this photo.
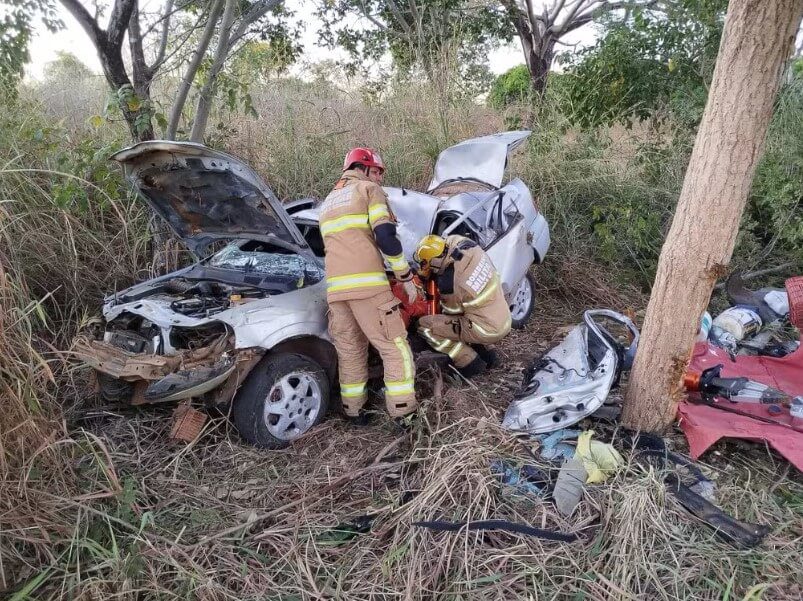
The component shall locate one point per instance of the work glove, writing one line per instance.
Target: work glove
(411, 290)
(412, 287)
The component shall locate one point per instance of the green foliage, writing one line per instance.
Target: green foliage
(16, 24)
(513, 86)
(67, 66)
(434, 35)
(257, 62)
(775, 210)
(652, 65)
(145, 110)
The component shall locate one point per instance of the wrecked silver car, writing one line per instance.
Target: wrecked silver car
(572, 381)
(466, 197)
(246, 324)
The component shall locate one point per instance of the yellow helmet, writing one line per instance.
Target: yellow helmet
(430, 247)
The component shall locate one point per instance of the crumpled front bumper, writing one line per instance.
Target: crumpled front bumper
(165, 378)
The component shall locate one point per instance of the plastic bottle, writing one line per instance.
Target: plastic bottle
(742, 322)
(705, 327)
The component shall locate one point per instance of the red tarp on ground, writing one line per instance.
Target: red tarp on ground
(704, 425)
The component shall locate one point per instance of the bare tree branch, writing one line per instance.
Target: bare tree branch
(205, 95)
(254, 14)
(86, 21)
(558, 29)
(192, 69)
(118, 23)
(379, 24)
(160, 53)
(399, 17)
(178, 46)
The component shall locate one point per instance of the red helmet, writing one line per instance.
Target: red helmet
(363, 156)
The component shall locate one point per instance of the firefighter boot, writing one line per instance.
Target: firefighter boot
(475, 368)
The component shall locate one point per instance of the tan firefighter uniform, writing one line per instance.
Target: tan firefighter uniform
(362, 309)
(472, 301)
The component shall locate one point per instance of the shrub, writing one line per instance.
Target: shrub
(511, 87)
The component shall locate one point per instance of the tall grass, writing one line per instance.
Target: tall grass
(99, 503)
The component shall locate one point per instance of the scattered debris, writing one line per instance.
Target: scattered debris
(704, 425)
(599, 459)
(752, 397)
(572, 381)
(741, 534)
(187, 423)
(770, 304)
(569, 486)
(345, 531)
(553, 447)
(527, 480)
(696, 498)
(740, 322)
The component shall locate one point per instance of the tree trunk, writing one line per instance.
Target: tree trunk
(221, 52)
(539, 65)
(141, 77)
(757, 39)
(192, 69)
(114, 69)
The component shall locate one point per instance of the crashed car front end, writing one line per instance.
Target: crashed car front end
(173, 344)
(198, 331)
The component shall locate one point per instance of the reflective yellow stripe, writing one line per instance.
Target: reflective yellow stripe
(399, 388)
(455, 350)
(407, 358)
(356, 280)
(438, 344)
(397, 263)
(346, 222)
(503, 330)
(377, 212)
(480, 329)
(352, 390)
(485, 295)
(450, 309)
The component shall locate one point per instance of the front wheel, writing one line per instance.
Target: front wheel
(522, 302)
(283, 397)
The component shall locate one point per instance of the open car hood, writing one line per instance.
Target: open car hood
(483, 159)
(205, 195)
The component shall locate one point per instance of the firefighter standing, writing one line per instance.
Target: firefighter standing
(358, 230)
(474, 309)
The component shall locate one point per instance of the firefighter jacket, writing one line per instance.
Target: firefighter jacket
(469, 285)
(355, 260)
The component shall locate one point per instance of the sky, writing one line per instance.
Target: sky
(46, 45)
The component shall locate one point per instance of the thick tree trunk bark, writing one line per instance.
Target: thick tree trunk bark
(539, 65)
(757, 40)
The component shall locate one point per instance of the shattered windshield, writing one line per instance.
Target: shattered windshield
(267, 263)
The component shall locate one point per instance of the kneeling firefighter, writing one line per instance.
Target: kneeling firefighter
(358, 230)
(474, 309)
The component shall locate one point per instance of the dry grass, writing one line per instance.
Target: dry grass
(133, 515)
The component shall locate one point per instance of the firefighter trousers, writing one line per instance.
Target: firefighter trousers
(353, 324)
(453, 335)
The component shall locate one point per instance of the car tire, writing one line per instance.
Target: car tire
(299, 390)
(522, 302)
(113, 390)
